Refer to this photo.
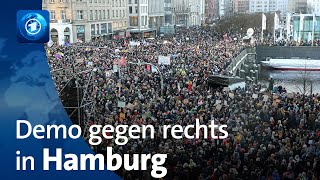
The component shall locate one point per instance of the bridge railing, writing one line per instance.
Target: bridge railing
(238, 60)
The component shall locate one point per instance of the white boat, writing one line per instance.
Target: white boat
(293, 64)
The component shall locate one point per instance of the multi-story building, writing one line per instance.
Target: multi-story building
(229, 8)
(168, 12)
(188, 12)
(210, 11)
(119, 17)
(138, 20)
(268, 6)
(221, 8)
(279, 5)
(84, 20)
(298, 6)
(180, 12)
(156, 13)
(61, 16)
(313, 6)
(241, 6)
(197, 9)
(224, 7)
(259, 6)
(303, 26)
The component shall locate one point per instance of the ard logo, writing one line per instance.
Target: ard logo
(33, 26)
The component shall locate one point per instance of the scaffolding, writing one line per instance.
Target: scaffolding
(85, 89)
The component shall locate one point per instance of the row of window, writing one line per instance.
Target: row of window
(144, 9)
(62, 14)
(104, 28)
(119, 24)
(134, 21)
(138, 1)
(101, 14)
(93, 14)
(97, 29)
(115, 3)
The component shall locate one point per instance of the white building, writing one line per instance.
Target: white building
(138, 14)
(229, 7)
(138, 19)
(279, 5)
(156, 13)
(119, 17)
(259, 6)
(225, 7)
(197, 10)
(221, 8)
(188, 12)
(313, 6)
(84, 20)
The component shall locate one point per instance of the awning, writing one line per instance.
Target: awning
(140, 30)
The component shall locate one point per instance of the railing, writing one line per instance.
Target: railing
(239, 59)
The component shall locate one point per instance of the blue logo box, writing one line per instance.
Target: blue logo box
(33, 26)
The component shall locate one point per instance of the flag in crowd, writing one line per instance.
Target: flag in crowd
(301, 22)
(288, 25)
(276, 24)
(264, 25)
(264, 22)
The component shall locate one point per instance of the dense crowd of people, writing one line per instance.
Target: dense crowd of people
(271, 135)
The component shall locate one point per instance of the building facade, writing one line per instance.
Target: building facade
(156, 14)
(61, 16)
(83, 20)
(313, 6)
(241, 6)
(119, 17)
(279, 5)
(188, 12)
(180, 12)
(168, 15)
(298, 6)
(229, 7)
(210, 11)
(259, 6)
(197, 11)
(303, 25)
(221, 8)
(138, 19)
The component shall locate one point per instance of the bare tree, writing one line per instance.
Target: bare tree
(305, 80)
(309, 9)
(242, 22)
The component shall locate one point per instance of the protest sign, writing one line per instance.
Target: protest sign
(164, 60)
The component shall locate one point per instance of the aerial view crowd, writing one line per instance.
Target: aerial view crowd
(272, 134)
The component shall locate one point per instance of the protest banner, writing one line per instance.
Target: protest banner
(164, 60)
